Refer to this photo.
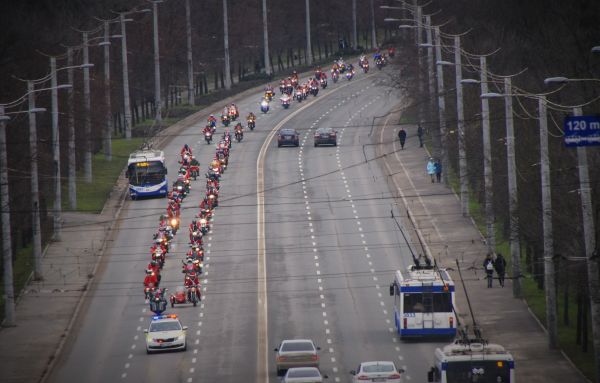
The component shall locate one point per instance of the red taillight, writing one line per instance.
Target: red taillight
(405, 322)
(394, 376)
(451, 322)
(315, 358)
(332, 134)
(281, 358)
(363, 377)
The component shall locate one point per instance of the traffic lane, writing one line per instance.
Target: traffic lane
(294, 309)
(372, 197)
(111, 324)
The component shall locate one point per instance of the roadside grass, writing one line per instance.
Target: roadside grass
(535, 297)
(92, 196)
(22, 268)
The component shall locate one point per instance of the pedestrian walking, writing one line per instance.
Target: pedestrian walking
(420, 135)
(500, 267)
(402, 137)
(438, 170)
(431, 169)
(488, 266)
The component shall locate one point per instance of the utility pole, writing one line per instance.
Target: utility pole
(55, 151)
(157, 100)
(190, 63)
(513, 196)
(87, 152)
(441, 104)
(462, 153)
(35, 193)
(591, 255)
(549, 272)
(420, 61)
(126, 102)
(9, 294)
(417, 15)
(72, 176)
(268, 69)
(430, 68)
(309, 58)
(487, 160)
(109, 125)
(354, 29)
(373, 29)
(226, 46)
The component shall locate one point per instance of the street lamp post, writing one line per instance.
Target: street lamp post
(441, 104)
(157, 98)
(87, 152)
(108, 117)
(55, 151)
(487, 159)
(354, 29)
(373, 29)
(190, 63)
(268, 69)
(226, 46)
(126, 100)
(309, 58)
(430, 70)
(72, 154)
(9, 294)
(35, 191)
(460, 113)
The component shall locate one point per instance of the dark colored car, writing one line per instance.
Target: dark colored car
(288, 137)
(325, 136)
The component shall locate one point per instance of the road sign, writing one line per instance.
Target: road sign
(582, 130)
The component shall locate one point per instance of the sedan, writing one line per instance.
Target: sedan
(296, 353)
(303, 375)
(288, 137)
(165, 333)
(325, 136)
(380, 371)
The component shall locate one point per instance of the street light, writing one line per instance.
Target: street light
(563, 80)
(596, 49)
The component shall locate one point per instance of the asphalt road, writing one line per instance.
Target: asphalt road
(331, 252)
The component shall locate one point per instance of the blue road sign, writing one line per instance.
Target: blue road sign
(582, 130)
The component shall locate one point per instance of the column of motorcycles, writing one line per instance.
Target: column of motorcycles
(169, 224)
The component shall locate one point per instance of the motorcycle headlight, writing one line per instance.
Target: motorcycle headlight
(195, 233)
(174, 222)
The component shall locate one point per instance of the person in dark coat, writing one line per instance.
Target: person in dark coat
(402, 137)
(438, 170)
(420, 135)
(488, 267)
(500, 267)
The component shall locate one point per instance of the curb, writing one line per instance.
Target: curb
(83, 295)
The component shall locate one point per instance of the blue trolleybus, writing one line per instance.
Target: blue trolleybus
(424, 302)
(147, 174)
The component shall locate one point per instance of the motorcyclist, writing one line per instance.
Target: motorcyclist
(185, 150)
(151, 280)
(207, 129)
(318, 73)
(191, 279)
(239, 129)
(154, 267)
(212, 121)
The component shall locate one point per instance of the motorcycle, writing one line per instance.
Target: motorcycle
(158, 303)
(269, 95)
(208, 137)
(365, 67)
(323, 82)
(184, 295)
(285, 102)
(239, 135)
(379, 63)
(194, 171)
(225, 119)
(314, 90)
(335, 76)
(251, 124)
(264, 106)
(349, 75)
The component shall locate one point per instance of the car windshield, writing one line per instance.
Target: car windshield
(302, 373)
(324, 130)
(378, 368)
(165, 326)
(297, 346)
(287, 132)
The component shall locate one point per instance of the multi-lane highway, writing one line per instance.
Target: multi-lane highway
(322, 231)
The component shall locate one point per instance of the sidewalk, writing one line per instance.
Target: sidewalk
(435, 216)
(45, 309)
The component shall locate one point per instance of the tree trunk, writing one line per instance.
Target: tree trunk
(578, 332)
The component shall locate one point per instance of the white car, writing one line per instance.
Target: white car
(165, 333)
(379, 371)
(303, 375)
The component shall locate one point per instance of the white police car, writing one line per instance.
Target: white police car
(165, 333)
